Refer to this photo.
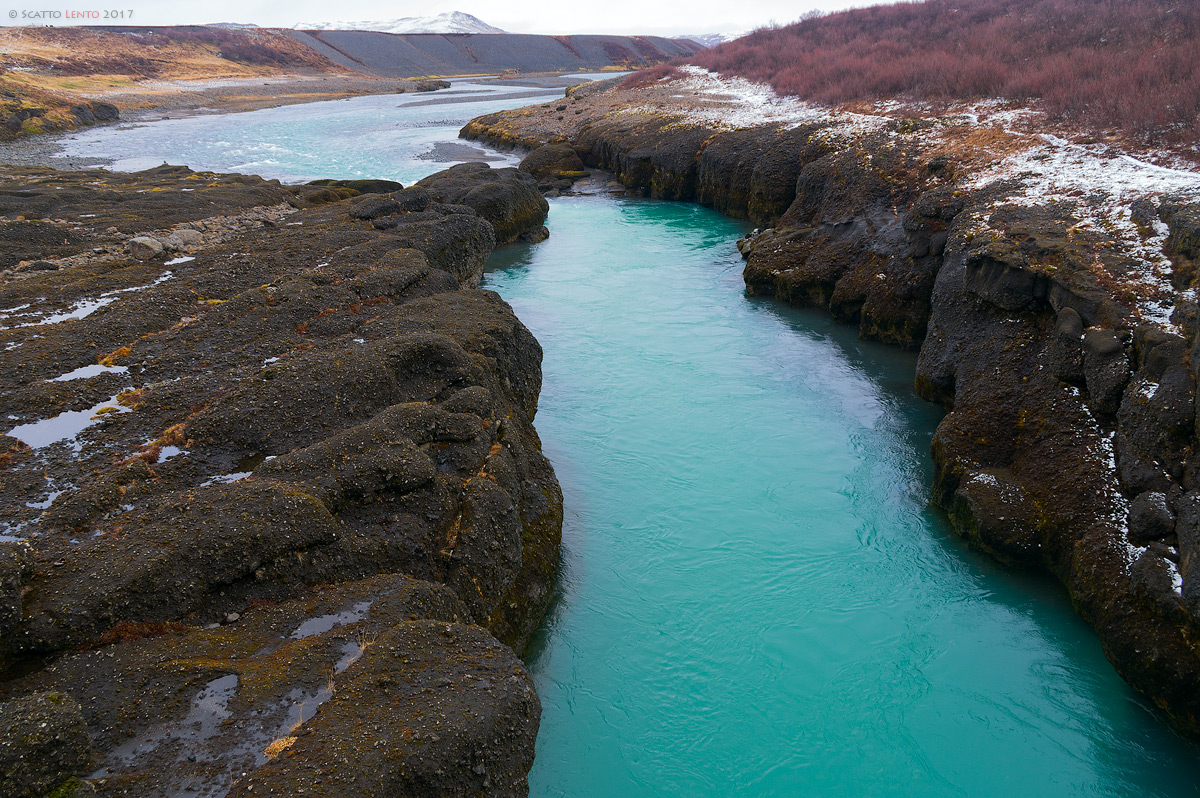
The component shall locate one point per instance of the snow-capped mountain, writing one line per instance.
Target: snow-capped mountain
(713, 39)
(450, 22)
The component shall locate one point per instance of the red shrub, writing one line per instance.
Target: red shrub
(1131, 64)
(647, 77)
(647, 49)
(619, 53)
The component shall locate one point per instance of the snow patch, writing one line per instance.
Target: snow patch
(736, 103)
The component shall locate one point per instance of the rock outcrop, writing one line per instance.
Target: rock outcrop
(1063, 349)
(293, 523)
(507, 198)
(555, 167)
(17, 118)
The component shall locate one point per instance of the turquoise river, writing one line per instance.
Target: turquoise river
(756, 597)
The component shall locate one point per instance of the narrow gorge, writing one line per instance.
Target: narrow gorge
(1050, 301)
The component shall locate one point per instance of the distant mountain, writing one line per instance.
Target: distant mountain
(711, 39)
(450, 22)
(231, 25)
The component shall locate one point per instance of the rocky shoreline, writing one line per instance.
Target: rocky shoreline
(277, 518)
(1056, 322)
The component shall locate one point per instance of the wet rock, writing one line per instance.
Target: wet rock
(996, 272)
(990, 508)
(43, 744)
(234, 690)
(755, 173)
(1155, 420)
(74, 510)
(36, 266)
(507, 198)
(1187, 528)
(404, 723)
(189, 549)
(32, 241)
(145, 247)
(373, 458)
(83, 114)
(1183, 241)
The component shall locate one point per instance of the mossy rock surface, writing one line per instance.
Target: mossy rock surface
(298, 414)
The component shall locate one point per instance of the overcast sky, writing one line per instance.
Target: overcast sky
(672, 17)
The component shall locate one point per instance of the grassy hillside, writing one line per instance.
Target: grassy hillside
(46, 73)
(1128, 64)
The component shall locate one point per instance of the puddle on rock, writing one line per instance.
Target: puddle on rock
(167, 452)
(324, 623)
(225, 479)
(65, 426)
(210, 708)
(45, 503)
(87, 372)
(86, 307)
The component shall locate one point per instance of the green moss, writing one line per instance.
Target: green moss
(66, 789)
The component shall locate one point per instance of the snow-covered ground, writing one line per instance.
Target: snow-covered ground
(1102, 184)
(725, 103)
(1100, 180)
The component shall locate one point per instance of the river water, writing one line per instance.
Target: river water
(756, 599)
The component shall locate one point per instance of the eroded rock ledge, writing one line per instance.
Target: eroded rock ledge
(1057, 328)
(276, 517)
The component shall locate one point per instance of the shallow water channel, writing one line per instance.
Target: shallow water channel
(757, 598)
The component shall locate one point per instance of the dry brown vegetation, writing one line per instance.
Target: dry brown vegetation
(73, 58)
(47, 72)
(1099, 64)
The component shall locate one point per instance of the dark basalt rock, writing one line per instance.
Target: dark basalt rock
(1150, 518)
(555, 167)
(371, 186)
(456, 243)
(16, 566)
(347, 423)
(374, 206)
(433, 709)
(43, 745)
(551, 161)
(507, 198)
(412, 200)
(105, 112)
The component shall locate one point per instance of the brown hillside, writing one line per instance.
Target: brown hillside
(1128, 64)
(48, 74)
